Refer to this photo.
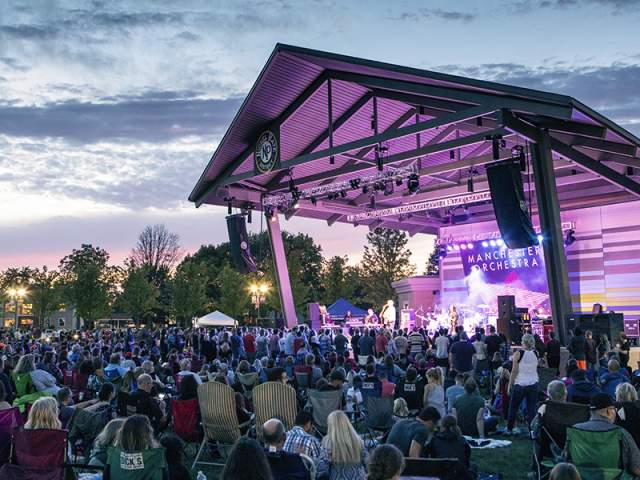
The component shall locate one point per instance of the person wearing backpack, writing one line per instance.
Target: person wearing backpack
(523, 383)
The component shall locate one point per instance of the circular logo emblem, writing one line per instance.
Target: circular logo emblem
(266, 154)
(243, 245)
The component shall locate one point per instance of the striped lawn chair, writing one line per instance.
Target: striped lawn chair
(219, 419)
(274, 400)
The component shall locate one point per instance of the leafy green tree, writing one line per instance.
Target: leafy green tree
(139, 295)
(235, 299)
(189, 291)
(89, 282)
(45, 293)
(433, 262)
(386, 259)
(335, 280)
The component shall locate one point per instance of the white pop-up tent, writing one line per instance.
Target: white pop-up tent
(215, 319)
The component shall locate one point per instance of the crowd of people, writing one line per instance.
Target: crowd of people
(445, 389)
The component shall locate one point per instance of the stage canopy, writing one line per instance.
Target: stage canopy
(343, 139)
(340, 308)
(216, 319)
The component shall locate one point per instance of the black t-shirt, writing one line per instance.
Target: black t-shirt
(493, 345)
(405, 431)
(341, 343)
(462, 354)
(287, 466)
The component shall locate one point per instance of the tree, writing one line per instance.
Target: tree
(45, 293)
(234, 297)
(386, 259)
(433, 262)
(157, 248)
(89, 282)
(189, 290)
(139, 296)
(334, 280)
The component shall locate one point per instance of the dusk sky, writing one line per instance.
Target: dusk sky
(109, 110)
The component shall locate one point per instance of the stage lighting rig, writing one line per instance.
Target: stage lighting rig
(355, 183)
(517, 153)
(497, 143)
(314, 202)
(388, 187)
(413, 183)
(343, 194)
(372, 202)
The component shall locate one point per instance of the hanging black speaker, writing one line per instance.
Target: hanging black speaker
(239, 244)
(510, 205)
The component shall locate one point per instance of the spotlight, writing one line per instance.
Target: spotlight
(413, 183)
(500, 242)
(442, 252)
(485, 244)
(540, 239)
(343, 193)
(355, 183)
(492, 243)
(470, 246)
(450, 248)
(463, 246)
(456, 247)
(296, 205)
(569, 238)
(388, 187)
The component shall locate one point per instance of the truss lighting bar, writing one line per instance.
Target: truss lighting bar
(336, 187)
(418, 207)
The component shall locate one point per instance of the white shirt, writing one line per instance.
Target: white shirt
(442, 347)
(527, 369)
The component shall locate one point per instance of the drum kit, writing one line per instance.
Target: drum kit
(469, 316)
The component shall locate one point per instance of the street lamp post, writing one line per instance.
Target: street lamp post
(258, 296)
(16, 294)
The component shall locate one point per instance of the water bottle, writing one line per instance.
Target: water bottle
(201, 476)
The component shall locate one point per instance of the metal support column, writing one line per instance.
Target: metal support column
(281, 271)
(553, 243)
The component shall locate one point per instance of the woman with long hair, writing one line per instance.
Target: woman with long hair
(247, 461)
(386, 462)
(434, 391)
(136, 435)
(342, 455)
(523, 382)
(188, 388)
(42, 381)
(44, 414)
(103, 441)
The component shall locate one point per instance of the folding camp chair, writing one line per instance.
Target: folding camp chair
(545, 376)
(67, 378)
(24, 384)
(322, 404)
(41, 450)
(596, 455)
(84, 427)
(79, 387)
(558, 416)
(249, 382)
(432, 468)
(378, 416)
(10, 419)
(219, 419)
(147, 465)
(184, 414)
(274, 400)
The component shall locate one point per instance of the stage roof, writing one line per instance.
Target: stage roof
(437, 123)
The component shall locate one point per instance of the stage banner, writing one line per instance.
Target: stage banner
(496, 270)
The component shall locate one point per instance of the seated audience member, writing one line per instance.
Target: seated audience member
(581, 390)
(185, 370)
(4, 405)
(469, 412)
(42, 380)
(65, 406)
(629, 410)
(113, 371)
(145, 404)
(610, 380)
(336, 380)
(43, 414)
(354, 396)
(564, 471)
(448, 442)
(247, 461)
(371, 385)
(454, 391)
(603, 415)
(385, 462)
(557, 392)
(103, 441)
(387, 388)
(300, 440)
(174, 454)
(411, 388)
(434, 391)
(342, 454)
(188, 389)
(400, 409)
(284, 465)
(411, 434)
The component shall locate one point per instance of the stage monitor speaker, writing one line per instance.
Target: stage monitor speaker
(239, 244)
(510, 205)
(597, 309)
(506, 314)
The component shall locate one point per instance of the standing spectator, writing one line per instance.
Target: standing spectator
(247, 461)
(355, 339)
(578, 348)
(249, 343)
(461, 356)
(402, 344)
(411, 388)
(591, 351)
(416, 343)
(553, 351)
(523, 383)
(381, 343)
(492, 341)
(340, 342)
(367, 345)
(624, 348)
(442, 349)
(343, 455)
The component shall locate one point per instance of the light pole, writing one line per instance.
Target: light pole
(16, 294)
(258, 296)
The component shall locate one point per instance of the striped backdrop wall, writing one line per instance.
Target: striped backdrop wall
(604, 262)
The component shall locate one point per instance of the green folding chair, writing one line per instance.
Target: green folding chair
(596, 455)
(147, 465)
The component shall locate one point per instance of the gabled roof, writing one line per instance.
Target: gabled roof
(292, 92)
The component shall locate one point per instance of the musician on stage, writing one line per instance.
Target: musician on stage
(371, 318)
(453, 318)
(388, 314)
(347, 317)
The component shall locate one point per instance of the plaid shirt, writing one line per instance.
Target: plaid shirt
(299, 441)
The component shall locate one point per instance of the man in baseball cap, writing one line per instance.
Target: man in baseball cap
(603, 417)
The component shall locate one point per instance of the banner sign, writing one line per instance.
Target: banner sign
(418, 207)
(497, 270)
(632, 328)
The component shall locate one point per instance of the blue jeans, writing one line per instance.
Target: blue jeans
(530, 395)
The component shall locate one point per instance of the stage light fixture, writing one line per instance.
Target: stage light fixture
(332, 160)
(413, 183)
(517, 153)
(442, 252)
(399, 181)
(365, 189)
(343, 193)
(388, 187)
(372, 202)
(540, 239)
(456, 247)
(452, 154)
(450, 248)
(470, 246)
(499, 242)
(485, 244)
(296, 205)
(355, 183)
(570, 238)
(492, 243)
(470, 185)
(463, 246)
(313, 201)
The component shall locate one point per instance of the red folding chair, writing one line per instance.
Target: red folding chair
(79, 387)
(185, 415)
(67, 378)
(39, 453)
(10, 419)
(177, 378)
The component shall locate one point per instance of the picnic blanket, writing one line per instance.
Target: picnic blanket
(480, 443)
